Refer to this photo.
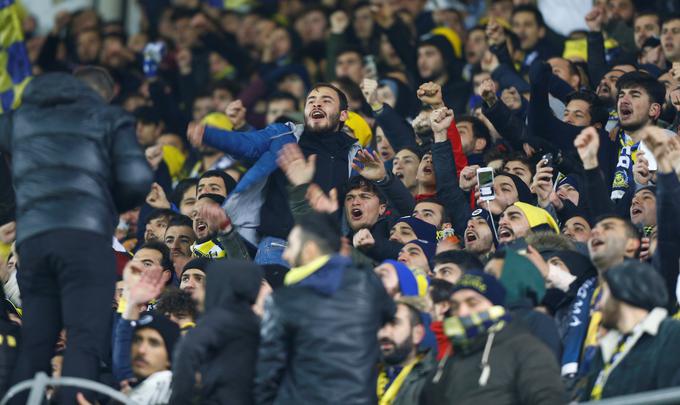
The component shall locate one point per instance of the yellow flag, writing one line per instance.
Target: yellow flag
(15, 67)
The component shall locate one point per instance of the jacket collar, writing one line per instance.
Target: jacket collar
(650, 325)
(297, 274)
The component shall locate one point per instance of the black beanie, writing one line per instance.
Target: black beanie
(168, 330)
(523, 192)
(637, 284)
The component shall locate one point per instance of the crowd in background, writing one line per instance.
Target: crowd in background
(356, 202)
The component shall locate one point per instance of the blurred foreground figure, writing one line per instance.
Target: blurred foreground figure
(76, 165)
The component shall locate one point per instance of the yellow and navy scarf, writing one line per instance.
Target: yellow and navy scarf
(211, 249)
(623, 174)
(463, 331)
(391, 379)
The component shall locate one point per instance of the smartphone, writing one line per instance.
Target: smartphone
(485, 181)
(370, 67)
(547, 159)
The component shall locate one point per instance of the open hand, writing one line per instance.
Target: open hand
(369, 165)
(320, 202)
(293, 163)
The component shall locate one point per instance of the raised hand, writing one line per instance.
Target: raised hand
(468, 177)
(641, 172)
(154, 155)
(369, 165)
(148, 287)
(363, 239)
(293, 163)
(430, 93)
(369, 88)
(587, 144)
(236, 113)
(157, 198)
(661, 146)
(440, 121)
(487, 91)
(339, 22)
(195, 133)
(495, 32)
(595, 19)
(542, 184)
(320, 202)
(215, 216)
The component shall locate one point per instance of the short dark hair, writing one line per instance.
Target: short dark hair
(413, 314)
(440, 290)
(350, 49)
(528, 8)
(181, 188)
(147, 115)
(598, 111)
(669, 18)
(646, 13)
(435, 200)
(518, 156)
(174, 301)
(655, 90)
(166, 260)
(179, 13)
(98, 79)
(358, 182)
(344, 103)
(479, 130)
(322, 229)
(225, 84)
(283, 95)
(200, 263)
(180, 220)
(465, 260)
(229, 182)
(161, 213)
(631, 230)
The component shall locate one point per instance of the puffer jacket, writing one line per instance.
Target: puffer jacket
(319, 340)
(223, 346)
(522, 371)
(76, 162)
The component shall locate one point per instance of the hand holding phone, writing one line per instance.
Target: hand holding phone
(485, 182)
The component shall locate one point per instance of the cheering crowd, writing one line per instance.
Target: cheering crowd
(346, 202)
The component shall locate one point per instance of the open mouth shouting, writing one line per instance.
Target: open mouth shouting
(625, 112)
(470, 236)
(317, 114)
(201, 227)
(356, 214)
(505, 234)
(635, 212)
(595, 244)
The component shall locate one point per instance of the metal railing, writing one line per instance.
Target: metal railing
(658, 397)
(41, 382)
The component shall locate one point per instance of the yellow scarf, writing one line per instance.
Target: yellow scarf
(386, 397)
(297, 274)
(208, 249)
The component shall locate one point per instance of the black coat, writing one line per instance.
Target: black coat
(321, 347)
(523, 371)
(76, 162)
(223, 346)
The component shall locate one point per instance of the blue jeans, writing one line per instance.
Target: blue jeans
(270, 251)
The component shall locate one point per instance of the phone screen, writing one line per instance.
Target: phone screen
(485, 180)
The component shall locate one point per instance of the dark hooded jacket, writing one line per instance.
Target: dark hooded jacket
(319, 337)
(223, 346)
(76, 162)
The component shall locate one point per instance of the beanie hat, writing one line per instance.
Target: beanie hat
(486, 216)
(637, 284)
(482, 283)
(200, 263)
(524, 194)
(452, 37)
(571, 180)
(422, 229)
(411, 284)
(168, 330)
(360, 128)
(569, 211)
(537, 216)
(648, 188)
(521, 279)
(429, 248)
(445, 41)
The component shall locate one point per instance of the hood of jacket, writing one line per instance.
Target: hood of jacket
(58, 88)
(232, 282)
(522, 281)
